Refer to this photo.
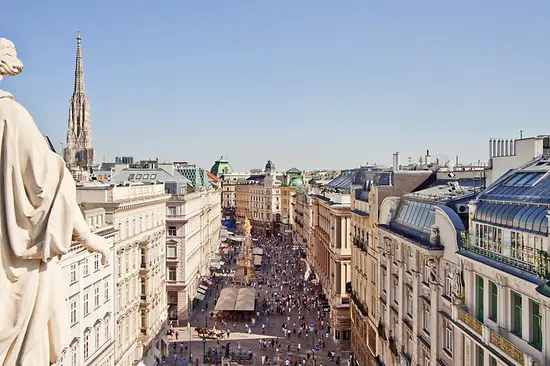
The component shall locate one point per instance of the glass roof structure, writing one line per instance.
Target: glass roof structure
(523, 217)
(521, 186)
(417, 214)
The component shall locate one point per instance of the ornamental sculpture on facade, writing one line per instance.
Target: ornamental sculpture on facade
(39, 218)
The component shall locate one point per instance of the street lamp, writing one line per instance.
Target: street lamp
(203, 349)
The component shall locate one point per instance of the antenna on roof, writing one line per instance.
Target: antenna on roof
(520, 134)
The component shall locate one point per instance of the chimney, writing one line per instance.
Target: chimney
(396, 161)
(428, 159)
(456, 160)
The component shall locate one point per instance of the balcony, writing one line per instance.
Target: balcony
(508, 348)
(471, 322)
(176, 217)
(490, 337)
(359, 304)
(541, 268)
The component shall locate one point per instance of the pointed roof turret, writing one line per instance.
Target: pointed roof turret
(79, 70)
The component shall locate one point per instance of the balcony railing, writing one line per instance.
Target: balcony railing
(359, 304)
(541, 268)
(470, 321)
(508, 347)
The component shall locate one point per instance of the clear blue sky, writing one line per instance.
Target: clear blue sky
(309, 83)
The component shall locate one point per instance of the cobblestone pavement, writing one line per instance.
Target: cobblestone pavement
(281, 263)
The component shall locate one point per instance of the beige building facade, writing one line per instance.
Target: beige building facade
(331, 259)
(138, 212)
(365, 204)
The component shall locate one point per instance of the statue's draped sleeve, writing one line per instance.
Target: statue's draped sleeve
(37, 210)
(37, 190)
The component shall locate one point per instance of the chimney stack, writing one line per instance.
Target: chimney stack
(396, 162)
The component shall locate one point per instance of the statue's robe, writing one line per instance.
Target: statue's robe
(36, 227)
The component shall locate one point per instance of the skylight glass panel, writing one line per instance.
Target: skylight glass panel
(524, 179)
(515, 178)
(534, 179)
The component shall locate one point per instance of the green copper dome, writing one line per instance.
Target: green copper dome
(297, 182)
(221, 167)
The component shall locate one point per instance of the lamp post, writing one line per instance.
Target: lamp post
(189, 325)
(203, 349)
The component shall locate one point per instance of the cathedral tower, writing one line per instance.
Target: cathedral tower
(79, 150)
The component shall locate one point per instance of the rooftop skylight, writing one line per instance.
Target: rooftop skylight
(524, 179)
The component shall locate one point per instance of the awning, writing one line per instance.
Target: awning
(210, 283)
(233, 299)
(201, 291)
(199, 296)
(257, 260)
(203, 287)
(245, 299)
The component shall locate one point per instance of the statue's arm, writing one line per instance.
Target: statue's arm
(89, 240)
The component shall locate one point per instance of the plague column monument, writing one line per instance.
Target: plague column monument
(39, 217)
(245, 270)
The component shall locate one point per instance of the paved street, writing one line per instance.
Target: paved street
(286, 303)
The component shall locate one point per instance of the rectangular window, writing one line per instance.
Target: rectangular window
(448, 285)
(492, 361)
(86, 307)
(85, 270)
(172, 231)
(172, 251)
(127, 264)
(480, 356)
(409, 302)
(74, 308)
(96, 296)
(86, 344)
(74, 350)
(449, 338)
(516, 314)
(107, 334)
(171, 274)
(536, 325)
(119, 265)
(106, 290)
(143, 287)
(96, 262)
(73, 273)
(479, 297)
(493, 301)
(171, 211)
(96, 336)
(426, 318)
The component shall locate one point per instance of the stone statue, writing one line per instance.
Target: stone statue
(432, 264)
(458, 287)
(39, 217)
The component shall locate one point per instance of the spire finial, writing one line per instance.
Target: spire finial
(79, 69)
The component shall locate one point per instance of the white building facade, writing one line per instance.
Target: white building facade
(89, 299)
(193, 224)
(137, 211)
(418, 274)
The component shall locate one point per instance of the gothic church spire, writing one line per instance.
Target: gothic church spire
(79, 69)
(79, 150)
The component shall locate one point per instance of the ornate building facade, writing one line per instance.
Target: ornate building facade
(138, 212)
(259, 199)
(419, 237)
(504, 317)
(79, 152)
(89, 299)
(365, 204)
